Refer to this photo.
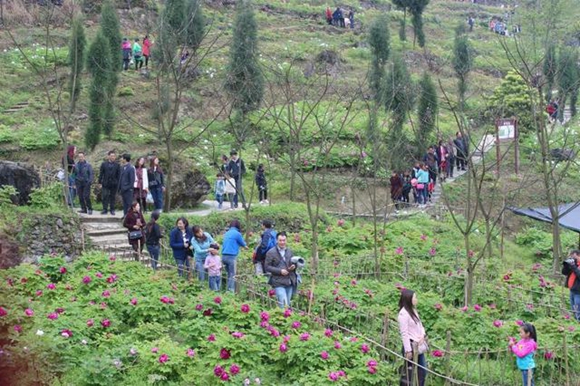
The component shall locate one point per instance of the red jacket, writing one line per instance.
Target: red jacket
(146, 47)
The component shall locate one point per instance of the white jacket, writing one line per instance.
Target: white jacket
(145, 179)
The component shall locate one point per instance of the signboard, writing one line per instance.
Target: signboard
(506, 129)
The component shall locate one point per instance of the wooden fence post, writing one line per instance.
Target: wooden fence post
(448, 354)
(385, 334)
(565, 346)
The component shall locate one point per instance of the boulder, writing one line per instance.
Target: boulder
(189, 189)
(23, 177)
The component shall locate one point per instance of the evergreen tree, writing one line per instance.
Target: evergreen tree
(402, 4)
(76, 60)
(568, 78)
(99, 65)
(399, 95)
(174, 19)
(245, 82)
(379, 40)
(416, 8)
(462, 63)
(550, 67)
(110, 26)
(194, 24)
(427, 110)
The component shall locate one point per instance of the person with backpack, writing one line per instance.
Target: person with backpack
(126, 48)
(153, 234)
(571, 268)
(137, 55)
(267, 242)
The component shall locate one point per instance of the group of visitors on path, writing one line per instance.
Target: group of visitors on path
(137, 53)
(340, 18)
(439, 162)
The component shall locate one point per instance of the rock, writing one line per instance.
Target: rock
(9, 252)
(23, 177)
(190, 190)
(59, 223)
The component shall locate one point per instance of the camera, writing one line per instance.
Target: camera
(570, 261)
(297, 261)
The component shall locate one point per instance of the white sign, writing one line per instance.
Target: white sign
(506, 130)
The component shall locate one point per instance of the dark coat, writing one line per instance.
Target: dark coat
(568, 269)
(396, 187)
(131, 219)
(84, 173)
(461, 146)
(274, 265)
(153, 234)
(236, 169)
(176, 242)
(127, 180)
(261, 180)
(156, 178)
(109, 175)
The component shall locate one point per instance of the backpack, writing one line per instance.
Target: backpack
(271, 242)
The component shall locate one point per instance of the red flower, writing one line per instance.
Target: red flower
(437, 353)
(18, 328)
(340, 222)
(51, 286)
(217, 300)
(134, 301)
(245, 308)
(364, 348)
(112, 278)
(199, 307)
(207, 312)
(548, 355)
(90, 323)
(211, 338)
(62, 270)
(234, 369)
(283, 347)
(163, 358)
(324, 355)
(105, 323)
(29, 312)
(225, 354)
(218, 371)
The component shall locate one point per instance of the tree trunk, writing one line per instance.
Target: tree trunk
(470, 273)
(169, 182)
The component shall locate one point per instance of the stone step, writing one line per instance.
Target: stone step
(98, 232)
(115, 239)
(96, 226)
(97, 217)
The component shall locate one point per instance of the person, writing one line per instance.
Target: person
(571, 268)
(146, 50)
(422, 182)
(396, 190)
(224, 166)
(236, 169)
(134, 221)
(141, 184)
(201, 242)
(230, 189)
(471, 22)
(337, 18)
(213, 264)
(137, 55)
(351, 18)
(220, 189)
(156, 180)
(232, 242)
(407, 187)
(524, 351)
(83, 180)
(184, 57)
(267, 242)
(346, 22)
(127, 182)
(442, 156)
(412, 334)
(126, 47)
(431, 160)
(328, 15)
(450, 158)
(461, 153)
(109, 176)
(262, 184)
(279, 265)
(153, 234)
(179, 240)
(70, 165)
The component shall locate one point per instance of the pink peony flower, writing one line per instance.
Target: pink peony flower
(211, 338)
(154, 350)
(304, 336)
(218, 371)
(264, 316)
(103, 305)
(133, 352)
(51, 286)
(520, 322)
(353, 282)
(477, 307)
(29, 312)
(364, 348)
(217, 300)
(190, 352)
(3, 312)
(492, 306)
(324, 355)
(62, 270)
(112, 257)
(66, 333)
(105, 323)
(234, 369)
(264, 324)
(225, 377)
(333, 376)
(566, 316)
(372, 370)
(59, 310)
(18, 328)
(271, 293)
(87, 279)
(39, 293)
(497, 323)
(548, 355)
(340, 222)
(199, 307)
(372, 363)
(52, 316)
(134, 301)
(399, 251)
(363, 154)
(571, 328)
(225, 354)
(237, 334)
(438, 306)
(245, 308)
(106, 294)
(99, 275)
(163, 358)
(337, 345)
(296, 324)
(464, 308)
(328, 332)
(207, 312)
(287, 312)
(432, 251)
(283, 347)
(423, 237)
(437, 353)
(112, 278)
(90, 323)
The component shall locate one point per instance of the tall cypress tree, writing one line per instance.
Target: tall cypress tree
(416, 8)
(379, 40)
(402, 4)
(245, 82)
(550, 68)
(427, 110)
(568, 78)
(194, 24)
(99, 65)
(462, 63)
(76, 60)
(399, 95)
(110, 26)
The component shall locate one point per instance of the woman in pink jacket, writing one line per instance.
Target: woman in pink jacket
(413, 335)
(146, 49)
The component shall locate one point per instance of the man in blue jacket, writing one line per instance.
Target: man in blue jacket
(232, 242)
(126, 183)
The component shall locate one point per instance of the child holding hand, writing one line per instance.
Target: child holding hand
(524, 350)
(213, 264)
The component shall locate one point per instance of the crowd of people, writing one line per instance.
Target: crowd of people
(340, 18)
(137, 53)
(438, 163)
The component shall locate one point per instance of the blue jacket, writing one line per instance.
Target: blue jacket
(423, 176)
(233, 240)
(201, 248)
(176, 242)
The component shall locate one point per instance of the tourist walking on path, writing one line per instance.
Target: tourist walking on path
(432, 161)
(262, 184)
(351, 19)
(443, 158)
(153, 235)
(83, 180)
(141, 185)
(279, 265)
(571, 268)
(126, 48)
(135, 222)
(413, 335)
(233, 240)
(201, 243)
(422, 182)
(450, 158)
(109, 176)
(396, 189)
(156, 180)
(146, 50)
(127, 183)
(179, 240)
(267, 242)
(137, 55)
(236, 169)
(220, 189)
(525, 350)
(213, 264)
(462, 150)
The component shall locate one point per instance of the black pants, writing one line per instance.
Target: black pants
(239, 195)
(108, 198)
(138, 63)
(126, 64)
(263, 194)
(433, 175)
(84, 193)
(127, 197)
(460, 162)
(146, 60)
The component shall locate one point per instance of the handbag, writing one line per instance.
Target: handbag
(135, 235)
(420, 186)
(149, 198)
(423, 346)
